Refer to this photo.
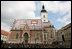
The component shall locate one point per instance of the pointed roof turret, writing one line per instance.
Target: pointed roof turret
(43, 9)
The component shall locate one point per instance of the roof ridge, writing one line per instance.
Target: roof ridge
(28, 19)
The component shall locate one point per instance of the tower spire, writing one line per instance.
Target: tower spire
(43, 7)
(44, 14)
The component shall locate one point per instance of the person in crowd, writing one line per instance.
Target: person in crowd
(21, 45)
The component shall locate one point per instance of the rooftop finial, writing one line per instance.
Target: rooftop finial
(43, 7)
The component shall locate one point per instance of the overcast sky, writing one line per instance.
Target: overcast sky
(59, 12)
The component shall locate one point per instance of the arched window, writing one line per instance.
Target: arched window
(51, 34)
(37, 36)
(17, 36)
(26, 36)
(44, 36)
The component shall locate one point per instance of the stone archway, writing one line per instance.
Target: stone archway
(26, 37)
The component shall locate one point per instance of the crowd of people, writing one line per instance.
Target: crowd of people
(22, 45)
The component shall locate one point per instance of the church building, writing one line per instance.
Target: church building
(33, 30)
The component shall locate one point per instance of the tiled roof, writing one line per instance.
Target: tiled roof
(32, 23)
(4, 32)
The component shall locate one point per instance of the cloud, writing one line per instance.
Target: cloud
(5, 27)
(61, 7)
(18, 9)
(65, 19)
(11, 10)
(57, 6)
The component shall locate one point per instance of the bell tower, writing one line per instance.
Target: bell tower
(44, 14)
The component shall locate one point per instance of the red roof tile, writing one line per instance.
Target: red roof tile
(4, 32)
(37, 23)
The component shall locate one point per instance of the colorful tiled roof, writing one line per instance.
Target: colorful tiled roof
(4, 32)
(32, 23)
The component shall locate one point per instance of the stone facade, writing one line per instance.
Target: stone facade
(4, 35)
(66, 31)
(33, 30)
(50, 33)
(34, 36)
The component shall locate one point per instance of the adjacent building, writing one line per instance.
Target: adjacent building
(64, 35)
(4, 35)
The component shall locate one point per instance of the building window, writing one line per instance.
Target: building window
(51, 35)
(44, 30)
(37, 36)
(17, 36)
(44, 36)
(63, 38)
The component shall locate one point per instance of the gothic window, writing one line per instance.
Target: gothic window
(37, 36)
(51, 34)
(17, 36)
(47, 36)
(44, 36)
